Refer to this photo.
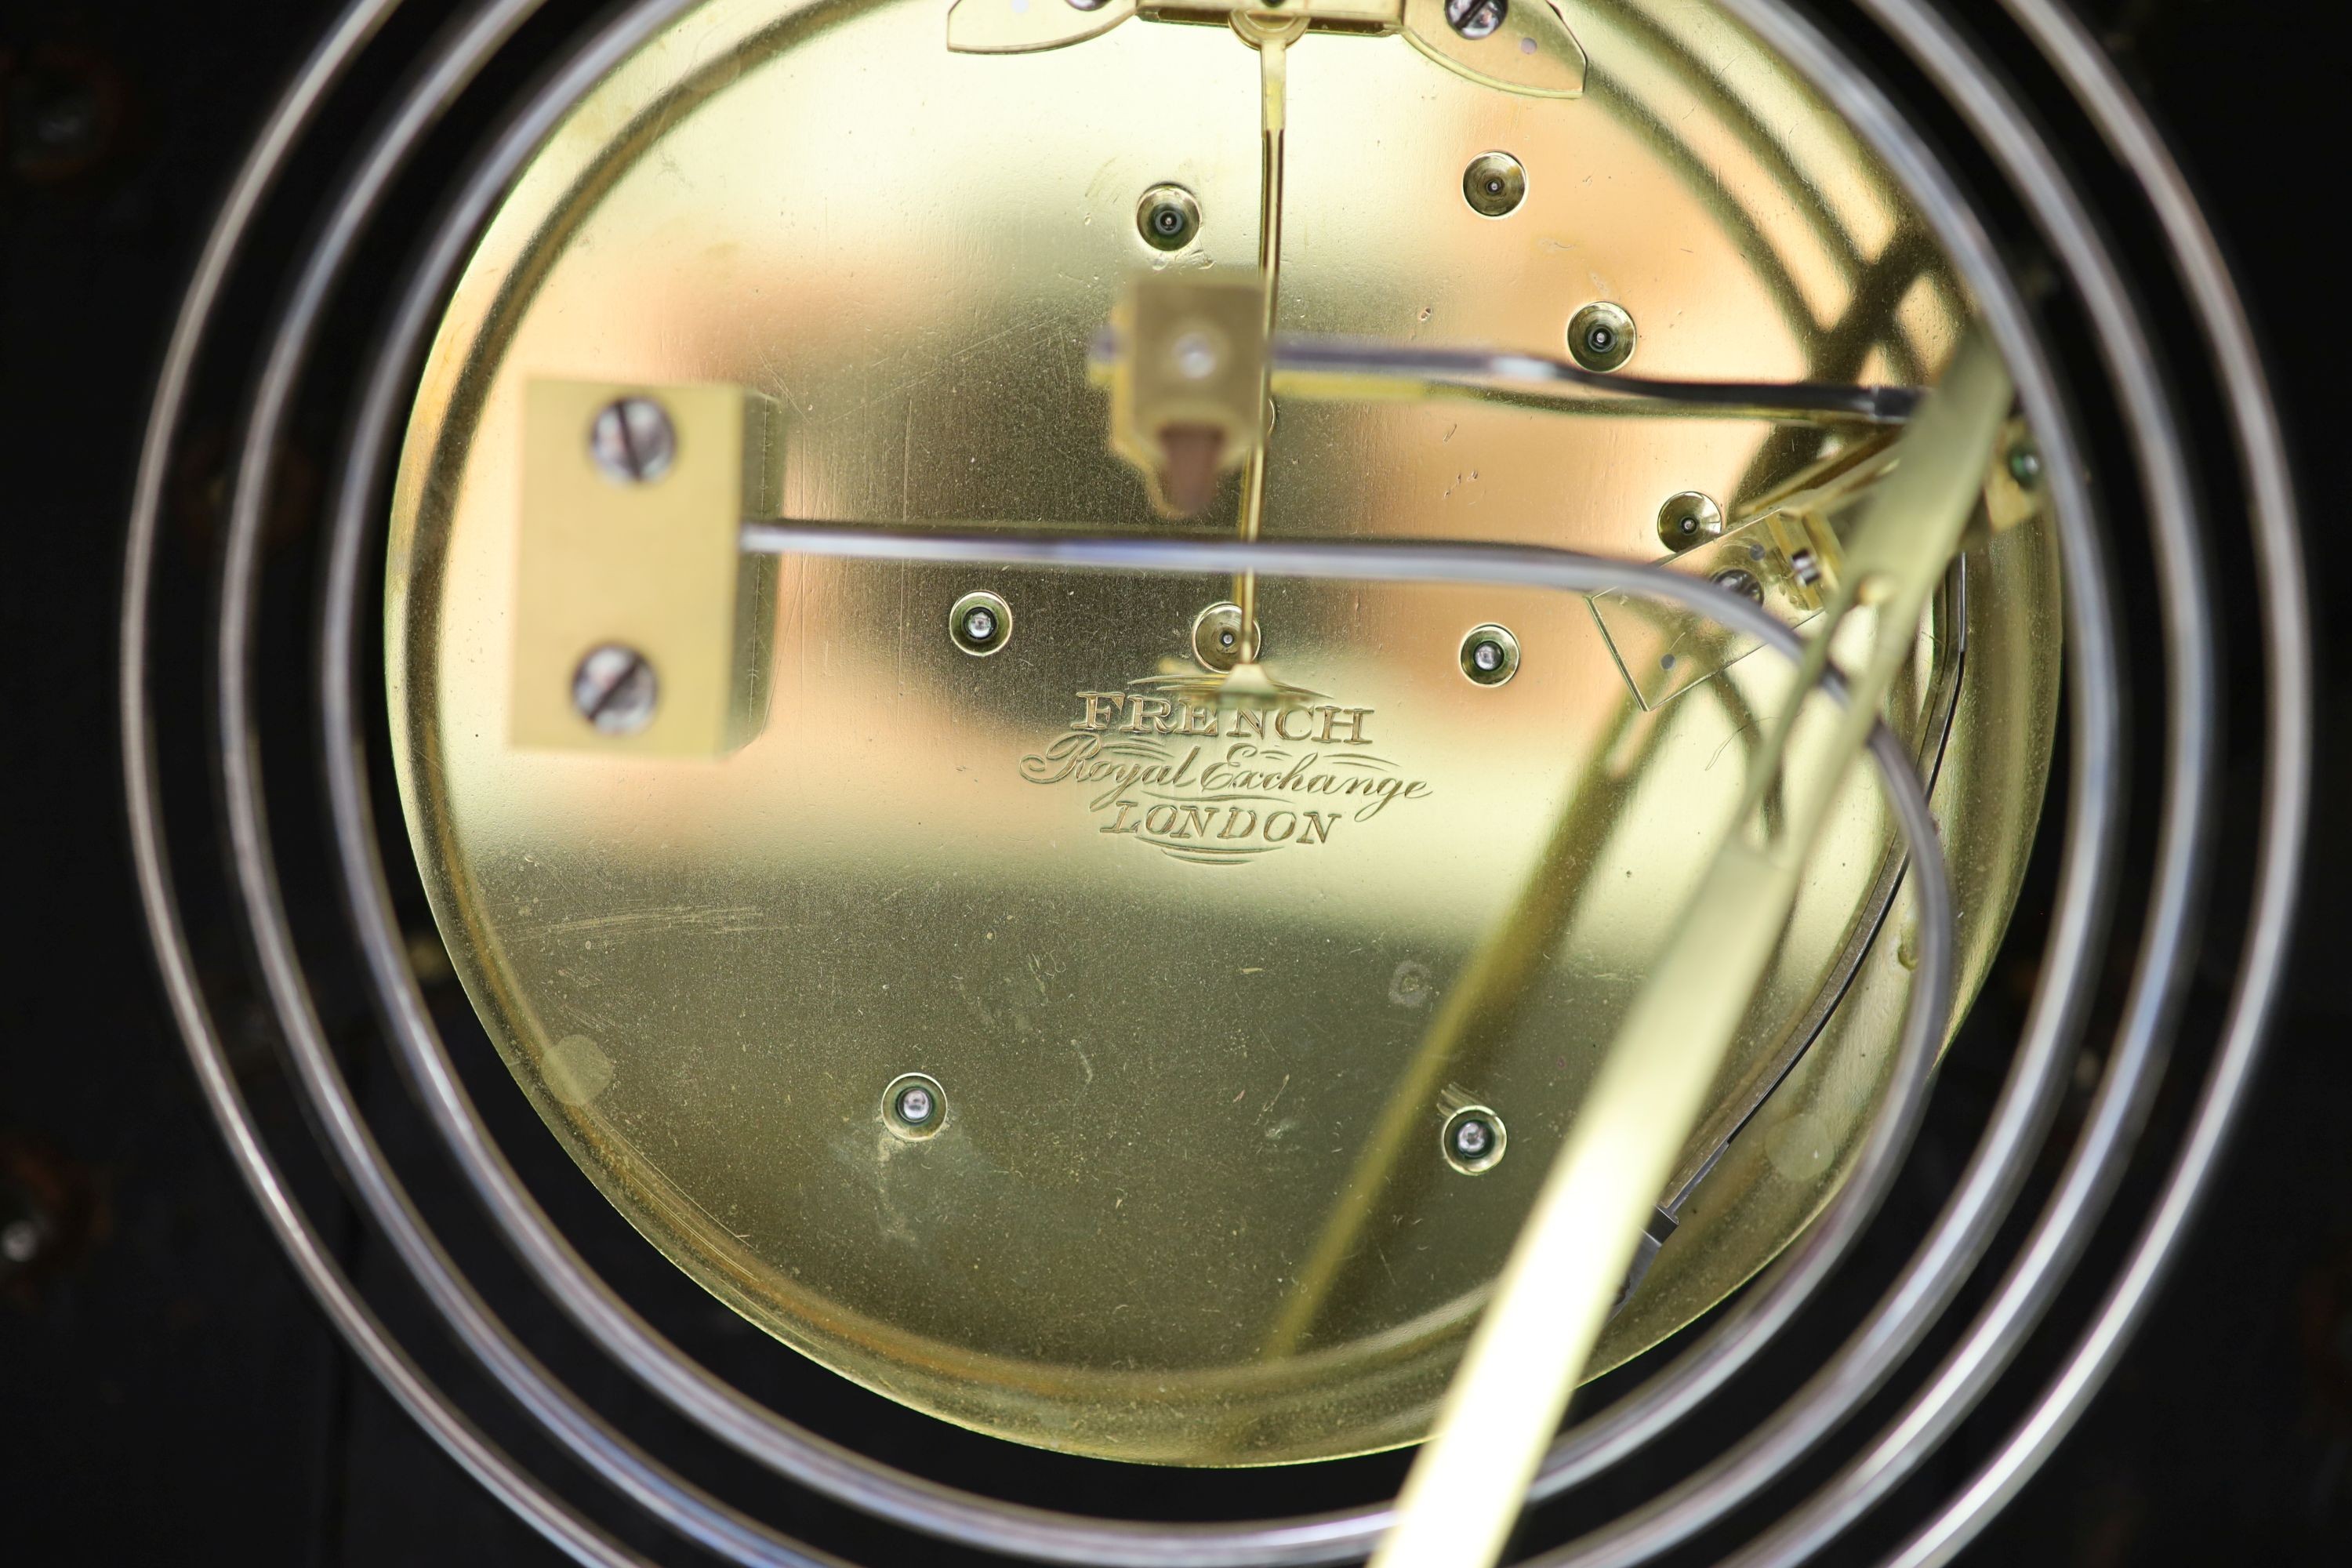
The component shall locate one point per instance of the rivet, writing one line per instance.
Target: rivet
(1477, 19)
(1167, 217)
(1601, 336)
(1473, 1140)
(1494, 184)
(980, 623)
(1490, 655)
(1688, 518)
(914, 1106)
(2025, 464)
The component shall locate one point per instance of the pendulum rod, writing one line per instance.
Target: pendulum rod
(1272, 39)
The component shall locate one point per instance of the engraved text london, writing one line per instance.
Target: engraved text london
(1218, 786)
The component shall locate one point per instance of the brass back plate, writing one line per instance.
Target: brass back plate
(1165, 984)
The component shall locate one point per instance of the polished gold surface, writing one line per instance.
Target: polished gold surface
(1170, 1024)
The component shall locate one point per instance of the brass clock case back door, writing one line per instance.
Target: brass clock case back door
(970, 999)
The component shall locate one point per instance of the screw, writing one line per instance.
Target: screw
(1494, 184)
(981, 624)
(1806, 566)
(633, 441)
(1217, 636)
(1490, 655)
(1474, 1139)
(1688, 518)
(914, 1106)
(2025, 464)
(1740, 581)
(615, 689)
(1601, 336)
(1477, 19)
(1167, 217)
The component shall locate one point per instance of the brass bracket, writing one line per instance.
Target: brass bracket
(1186, 369)
(1529, 49)
(1788, 548)
(1789, 555)
(650, 565)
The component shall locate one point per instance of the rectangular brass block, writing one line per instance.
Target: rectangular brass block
(1156, 385)
(651, 565)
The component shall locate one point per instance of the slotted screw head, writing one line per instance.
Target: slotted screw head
(615, 689)
(1477, 19)
(633, 441)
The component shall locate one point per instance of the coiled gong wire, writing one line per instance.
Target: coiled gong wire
(2178, 536)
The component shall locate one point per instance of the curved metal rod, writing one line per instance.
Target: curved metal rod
(524, 1494)
(854, 1479)
(1767, 1451)
(2160, 976)
(2031, 1097)
(1763, 1454)
(2286, 627)
(652, 1486)
(1317, 367)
